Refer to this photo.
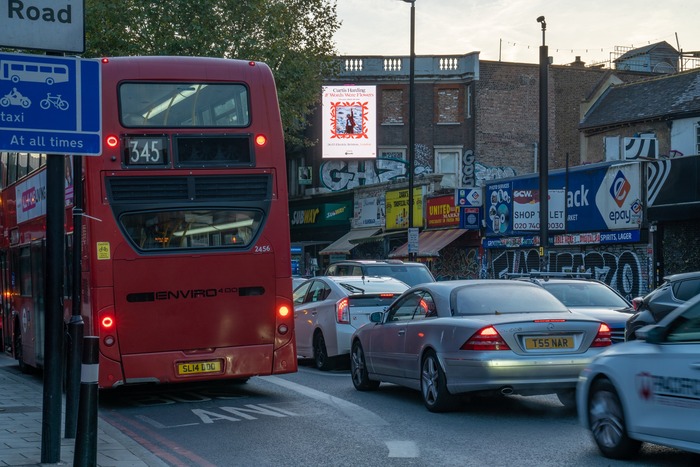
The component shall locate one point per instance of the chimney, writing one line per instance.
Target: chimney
(578, 63)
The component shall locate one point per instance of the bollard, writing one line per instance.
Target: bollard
(85, 453)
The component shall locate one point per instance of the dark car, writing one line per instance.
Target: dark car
(409, 272)
(674, 291)
(583, 294)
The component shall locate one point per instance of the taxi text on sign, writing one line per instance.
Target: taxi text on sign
(55, 25)
(50, 104)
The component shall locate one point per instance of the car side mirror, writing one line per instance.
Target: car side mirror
(376, 317)
(652, 333)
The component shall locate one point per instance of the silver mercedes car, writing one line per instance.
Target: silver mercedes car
(476, 336)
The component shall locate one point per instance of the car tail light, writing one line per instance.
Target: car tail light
(343, 311)
(603, 338)
(636, 303)
(486, 339)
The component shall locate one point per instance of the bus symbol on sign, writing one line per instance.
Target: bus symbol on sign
(17, 71)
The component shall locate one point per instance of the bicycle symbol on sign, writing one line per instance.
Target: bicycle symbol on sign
(14, 97)
(56, 101)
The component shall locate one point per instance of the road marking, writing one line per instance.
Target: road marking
(402, 448)
(359, 414)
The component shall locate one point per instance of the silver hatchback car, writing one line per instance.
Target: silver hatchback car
(327, 310)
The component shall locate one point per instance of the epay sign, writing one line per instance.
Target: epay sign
(56, 25)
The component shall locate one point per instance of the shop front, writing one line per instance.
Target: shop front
(450, 244)
(314, 225)
(595, 224)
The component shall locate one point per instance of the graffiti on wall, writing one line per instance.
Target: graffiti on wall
(484, 173)
(338, 175)
(456, 263)
(624, 269)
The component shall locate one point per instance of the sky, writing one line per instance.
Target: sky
(508, 30)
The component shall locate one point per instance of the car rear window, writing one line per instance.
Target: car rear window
(503, 298)
(372, 300)
(585, 294)
(411, 275)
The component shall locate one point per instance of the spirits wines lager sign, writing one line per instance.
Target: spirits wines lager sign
(54, 25)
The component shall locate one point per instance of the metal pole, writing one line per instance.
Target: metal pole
(412, 122)
(53, 340)
(53, 311)
(544, 152)
(85, 453)
(75, 325)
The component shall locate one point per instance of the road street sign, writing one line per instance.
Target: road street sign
(413, 240)
(43, 24)
(50, 104)
(468, 197)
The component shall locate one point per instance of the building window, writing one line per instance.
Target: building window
(448, 105)
(612, 148)
(393, 153)
(392, 106)
(448, 163)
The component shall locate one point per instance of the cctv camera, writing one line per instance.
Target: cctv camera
(540, 19)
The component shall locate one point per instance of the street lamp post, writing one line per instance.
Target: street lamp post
(411, 124)
(544, 152)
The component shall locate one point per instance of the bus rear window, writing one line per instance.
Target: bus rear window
(192, 229)
(183, 105)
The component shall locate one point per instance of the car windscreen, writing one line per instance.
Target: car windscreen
(411, 275)
(503, 298)
(585, 294)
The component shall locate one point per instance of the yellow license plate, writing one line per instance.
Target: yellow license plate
(193, 368)
(558, 342)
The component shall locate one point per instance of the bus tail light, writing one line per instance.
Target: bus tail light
(283, 312)
(260, 140)
(107, 327)
(112, 141)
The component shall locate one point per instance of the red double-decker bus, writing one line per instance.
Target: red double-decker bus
(185, 241)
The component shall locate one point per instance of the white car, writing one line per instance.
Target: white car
(328, 309)
(646, 390)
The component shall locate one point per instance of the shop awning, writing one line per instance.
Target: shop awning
(342, 246)
(430, 242)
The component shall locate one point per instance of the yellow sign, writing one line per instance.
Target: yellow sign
(397, 208)
(541, 251)
(103, 251)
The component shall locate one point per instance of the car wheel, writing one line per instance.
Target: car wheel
(321, 359)
(358, 369)
(607, 422)
(567, 398)
(433, 385)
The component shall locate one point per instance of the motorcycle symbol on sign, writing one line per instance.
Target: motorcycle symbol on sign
(15, 98)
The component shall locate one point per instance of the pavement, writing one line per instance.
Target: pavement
(21, 418)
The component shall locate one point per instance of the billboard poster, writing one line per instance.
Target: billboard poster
(349, 122)
(369, 209)
(397, 208)
(601, 198)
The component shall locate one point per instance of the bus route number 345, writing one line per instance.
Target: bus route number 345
(146, 150)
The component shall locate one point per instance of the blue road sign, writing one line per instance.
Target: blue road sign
(50, 104)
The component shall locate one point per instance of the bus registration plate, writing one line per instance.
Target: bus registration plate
(557, 342)
(192, 368)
